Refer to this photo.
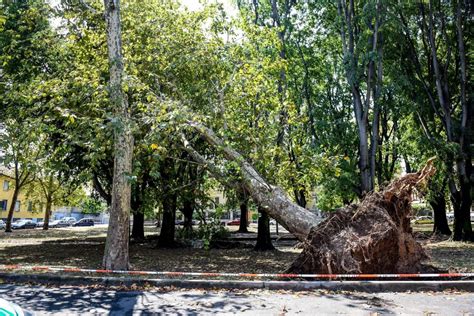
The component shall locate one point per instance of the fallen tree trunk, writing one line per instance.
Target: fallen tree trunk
(273, 199)
(373, 236)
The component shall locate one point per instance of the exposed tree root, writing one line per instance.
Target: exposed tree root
(372, 237)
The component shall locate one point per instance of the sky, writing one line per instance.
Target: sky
(229, 7)
(191, 4)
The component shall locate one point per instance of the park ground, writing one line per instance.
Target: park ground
(83, 247)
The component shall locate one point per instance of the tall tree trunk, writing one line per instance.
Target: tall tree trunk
(350, 28)
(264, 239)
(462, 224)
(364, 164)
(11, 210)
(376, 140)
(464, 163)
(438, 203)
(116, 255)
(244, 213)
(188, 211)
(47, 213)
(167, 233)
(138, 229)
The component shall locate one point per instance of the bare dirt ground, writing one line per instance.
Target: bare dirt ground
(83, 247)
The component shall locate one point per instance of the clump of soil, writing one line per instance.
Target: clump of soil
(373, 236)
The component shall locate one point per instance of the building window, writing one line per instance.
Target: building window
(6, 185)
(17, 206)
(3, 205)
(30, 206)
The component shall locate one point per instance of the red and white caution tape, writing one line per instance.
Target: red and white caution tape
(241, 275)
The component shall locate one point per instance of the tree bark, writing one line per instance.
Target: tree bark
(47, 213)
(188, 210)
(361, 110)
(462, 223)
(244, 213)
(264, 239)
(376, 141)
(11, 210)
(438, 203)
(116, 256)
(138, 231)
(168, 203)
(464, 163)
(167, 233)
(364, 165)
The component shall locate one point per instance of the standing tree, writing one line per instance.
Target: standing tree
(51, 188)
(21, 150)
(25, 56)
(116, 254)
(439, 62)
(361, 73)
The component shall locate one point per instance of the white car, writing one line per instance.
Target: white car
(2, 224)
(450, 217)
(69, 220)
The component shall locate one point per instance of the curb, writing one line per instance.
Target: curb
(359, 286)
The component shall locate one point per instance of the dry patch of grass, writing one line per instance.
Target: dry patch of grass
(453, 256)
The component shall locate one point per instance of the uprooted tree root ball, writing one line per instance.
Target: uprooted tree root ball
(372, 237)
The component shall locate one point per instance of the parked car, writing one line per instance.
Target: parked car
(84, 222)
(70, 220)
(40, 224)
(58, 223)
(450, 217)
(235, 222)
(423, 220)
(23, 224)
(2, 224)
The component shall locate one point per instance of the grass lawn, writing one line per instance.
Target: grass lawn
(83, 247)
(445, 254)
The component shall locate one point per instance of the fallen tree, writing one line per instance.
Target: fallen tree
(372, 236)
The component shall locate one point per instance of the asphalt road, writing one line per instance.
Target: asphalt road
(86, 301)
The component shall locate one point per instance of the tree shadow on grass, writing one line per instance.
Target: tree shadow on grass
(87, 253)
